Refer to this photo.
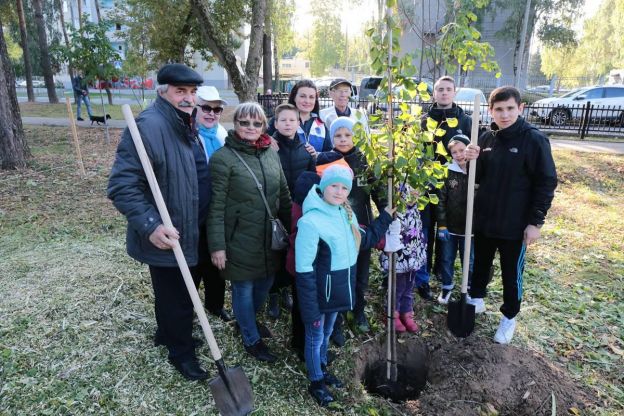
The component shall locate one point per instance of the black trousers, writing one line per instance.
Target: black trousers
(298, 329)
(512, 255)
(361, 281)
(174, 311)
(214, 286)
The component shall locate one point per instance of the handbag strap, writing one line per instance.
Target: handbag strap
(253, 175)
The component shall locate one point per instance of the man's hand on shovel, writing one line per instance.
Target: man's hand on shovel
(164, 237)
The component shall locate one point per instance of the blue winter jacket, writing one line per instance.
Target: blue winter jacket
(326, 256)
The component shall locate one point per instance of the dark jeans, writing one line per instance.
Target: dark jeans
(361, 282)
(248, 296)
(316, 343)
(298, 329)
(174, 311)
(79, 100)
(512, 253)
(449, 250)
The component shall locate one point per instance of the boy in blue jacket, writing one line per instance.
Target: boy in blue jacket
(517, 180)
(326, 250)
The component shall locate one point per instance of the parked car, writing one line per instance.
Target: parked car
(368, 87)
(379, 99)
(37, 83)
(607, 101)
(464, 98)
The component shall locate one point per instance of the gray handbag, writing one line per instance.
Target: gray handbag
(279, 235)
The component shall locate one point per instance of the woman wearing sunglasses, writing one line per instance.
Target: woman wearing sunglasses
(239, 229)
(209, 110)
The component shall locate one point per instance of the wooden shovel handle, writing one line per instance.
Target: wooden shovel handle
(164, 214)
(474, 137)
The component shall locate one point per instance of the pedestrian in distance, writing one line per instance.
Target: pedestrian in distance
(179, 163)
(81, 94)
(517, 180)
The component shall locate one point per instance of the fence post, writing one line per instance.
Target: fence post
(585, 120)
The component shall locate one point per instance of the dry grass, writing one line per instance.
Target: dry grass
(77, 313)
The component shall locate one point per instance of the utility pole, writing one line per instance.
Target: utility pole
(520, 60)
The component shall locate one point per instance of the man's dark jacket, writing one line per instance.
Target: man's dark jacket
(167, 139)
(440, 115)
(517, 180)
(294, 157)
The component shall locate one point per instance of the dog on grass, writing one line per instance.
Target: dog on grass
(99, 119)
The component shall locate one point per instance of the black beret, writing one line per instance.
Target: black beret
(178, 74)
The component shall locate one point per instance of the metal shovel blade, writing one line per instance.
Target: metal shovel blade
(231, 391)
(461, 317)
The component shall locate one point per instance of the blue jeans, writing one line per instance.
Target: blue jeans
(248, 296)
(316, 342)
(450, 248)
(422, 274)
(79, 100)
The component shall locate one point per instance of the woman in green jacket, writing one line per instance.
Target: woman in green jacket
(239, 229)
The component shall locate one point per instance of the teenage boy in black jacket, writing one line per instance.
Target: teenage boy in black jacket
(517, 180)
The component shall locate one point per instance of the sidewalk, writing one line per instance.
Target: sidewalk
(579, 146)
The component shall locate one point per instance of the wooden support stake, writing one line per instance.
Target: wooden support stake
(72, 123)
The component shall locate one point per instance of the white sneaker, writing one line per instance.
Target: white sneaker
(505, 330)
(478, 303)
(445, 295)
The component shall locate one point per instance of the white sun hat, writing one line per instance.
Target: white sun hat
(209, 93)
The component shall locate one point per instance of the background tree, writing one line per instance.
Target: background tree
(46, 64)
(216, 19)
(327, 43)
(282, 14)
(267, 50)
(456, 44)
(91, 52)
(13, 148)
(26, 53)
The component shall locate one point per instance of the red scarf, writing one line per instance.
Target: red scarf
(263, 141)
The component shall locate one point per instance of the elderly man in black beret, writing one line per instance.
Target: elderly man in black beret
(181, 169)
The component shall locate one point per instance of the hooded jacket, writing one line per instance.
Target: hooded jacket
(326, 256)
(517, 180)
(168, 143)
(451, 208)
(238, 221)
(440, 115)
(294, 158)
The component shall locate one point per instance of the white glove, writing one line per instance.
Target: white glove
(393, 238)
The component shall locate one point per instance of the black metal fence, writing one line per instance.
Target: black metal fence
(577, 119)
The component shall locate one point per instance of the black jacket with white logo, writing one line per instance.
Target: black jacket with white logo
(517, 180)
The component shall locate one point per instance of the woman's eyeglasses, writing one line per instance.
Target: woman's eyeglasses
(246, 123)
(207, 109)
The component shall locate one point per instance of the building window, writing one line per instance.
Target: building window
(120, 48)
(118, 26)
(286, 66)
(307, 64)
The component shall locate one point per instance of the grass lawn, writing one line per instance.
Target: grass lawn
(76, 313)
(60, 110)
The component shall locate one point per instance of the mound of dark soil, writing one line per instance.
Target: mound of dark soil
(474, 376)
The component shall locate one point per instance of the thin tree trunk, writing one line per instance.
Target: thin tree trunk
(13, 148)
(276, 61)
(24, 38)
(79, 3)
(70, 67)
(97, 10)
(267, 76)
(46, 66)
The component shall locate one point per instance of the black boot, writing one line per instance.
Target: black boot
(222, 314)
(287, 299)
(425, 292)
(319, 391)
(337, 336)
(330, 379)
(273, 310)
(261, 352)
(190, 369)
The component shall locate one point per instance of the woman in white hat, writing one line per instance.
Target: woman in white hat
(209, 110)
(210, 107)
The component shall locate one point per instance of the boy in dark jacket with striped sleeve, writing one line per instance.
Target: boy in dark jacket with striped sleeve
(517, 180)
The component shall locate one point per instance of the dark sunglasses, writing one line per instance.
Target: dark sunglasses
(246, 123)
(206, 109)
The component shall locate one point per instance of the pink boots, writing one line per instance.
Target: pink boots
(407, 320)
(398, 325)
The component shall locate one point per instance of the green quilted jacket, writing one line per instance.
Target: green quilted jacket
(238, 221)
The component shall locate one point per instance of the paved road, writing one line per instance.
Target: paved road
(580, 146)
